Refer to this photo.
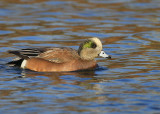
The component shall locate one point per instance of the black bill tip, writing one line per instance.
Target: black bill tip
(109, 57)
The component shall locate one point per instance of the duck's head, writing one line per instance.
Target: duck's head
(91, 48)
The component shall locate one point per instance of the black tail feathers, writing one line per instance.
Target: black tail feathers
(15, 63)
(19, 54)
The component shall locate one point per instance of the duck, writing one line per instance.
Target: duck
(60, 59)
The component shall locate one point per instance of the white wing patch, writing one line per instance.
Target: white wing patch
(23, 64)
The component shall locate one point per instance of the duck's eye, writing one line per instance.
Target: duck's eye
(93, 45)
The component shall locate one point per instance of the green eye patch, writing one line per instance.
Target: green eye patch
(86, 44)
(89, 44)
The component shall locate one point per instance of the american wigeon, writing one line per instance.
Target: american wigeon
(60, 59)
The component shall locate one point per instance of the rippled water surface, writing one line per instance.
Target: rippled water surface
(130, 32)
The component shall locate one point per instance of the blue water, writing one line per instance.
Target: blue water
(128, 83)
